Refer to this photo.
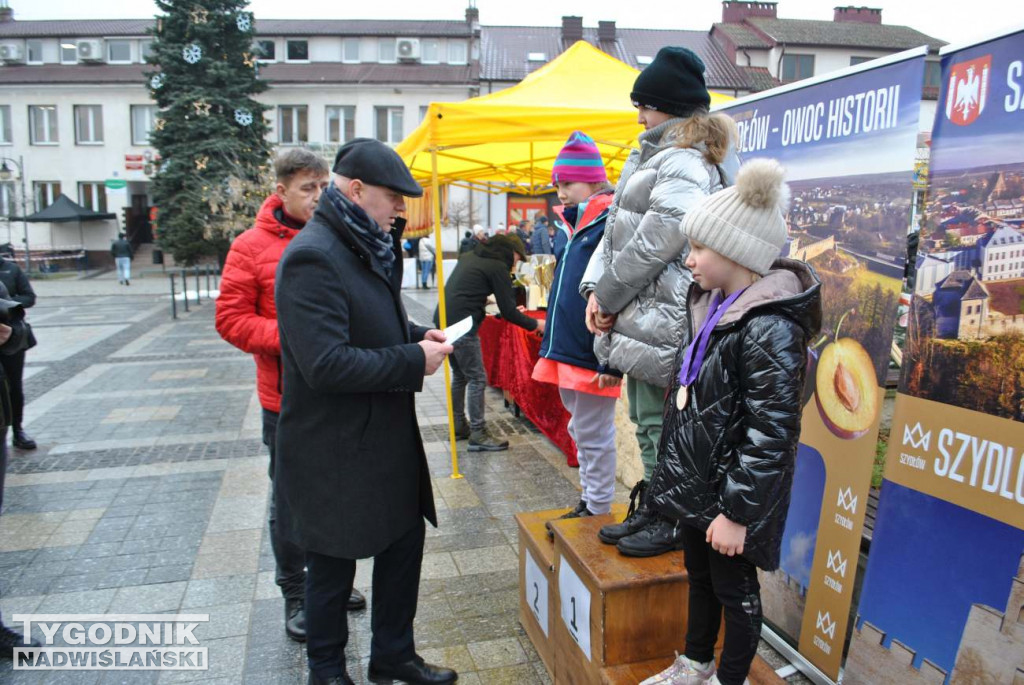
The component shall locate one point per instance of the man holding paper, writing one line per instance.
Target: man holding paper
(351, 475)
(479, 274)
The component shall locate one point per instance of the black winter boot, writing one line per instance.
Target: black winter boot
(580, 510)
(295, 619)
(637, 516)
(659, 536)
(21, 439)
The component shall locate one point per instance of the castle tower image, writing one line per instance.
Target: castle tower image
(871, 663)
(992, 646)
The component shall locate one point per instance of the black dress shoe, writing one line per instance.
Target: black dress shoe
(342, 679)
(637, 517)
(22, 441)
(580, 510)
(356, 601)
(417, 672)
(295, 619)
(11, 640)
(658, 537)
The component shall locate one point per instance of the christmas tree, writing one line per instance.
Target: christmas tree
(210, 132)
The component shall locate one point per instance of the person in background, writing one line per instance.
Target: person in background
(540, 239)
(426, 253)
(467, 243)
(247, 318)
(13, 338)
(20, 290)
(122, 252)
(485, 271)
(525, 233)
(588, 389)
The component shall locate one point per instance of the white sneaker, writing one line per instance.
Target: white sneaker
(684, 672)
(715, 681)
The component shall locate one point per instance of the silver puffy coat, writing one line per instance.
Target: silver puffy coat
(645, 280)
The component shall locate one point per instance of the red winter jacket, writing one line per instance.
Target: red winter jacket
(246, 316)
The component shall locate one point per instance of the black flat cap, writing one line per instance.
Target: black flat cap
(373, 162)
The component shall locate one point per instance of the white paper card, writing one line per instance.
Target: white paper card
(575, 606)
(457, 330)
(537, 592)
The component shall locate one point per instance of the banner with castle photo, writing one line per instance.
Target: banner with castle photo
(848, 143)
(943, 596)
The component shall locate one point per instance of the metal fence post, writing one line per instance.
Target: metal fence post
(184, 288)
(174, 302)
(197, 284)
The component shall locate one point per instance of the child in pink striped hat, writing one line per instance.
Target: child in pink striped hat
(587, 388)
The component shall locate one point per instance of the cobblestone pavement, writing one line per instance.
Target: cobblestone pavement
(149, 489)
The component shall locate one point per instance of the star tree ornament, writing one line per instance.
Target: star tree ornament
(243, 22)
(192, 53)
(202, 108)
(199, 15)
(249, 59)
(201, 163)
(157, 81)
(243, 117)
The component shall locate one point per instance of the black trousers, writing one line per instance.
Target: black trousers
(396, 584)
(289, 557)
(3, 473)
(14, 369)
(720, 582)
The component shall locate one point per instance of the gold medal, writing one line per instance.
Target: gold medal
(681, 397)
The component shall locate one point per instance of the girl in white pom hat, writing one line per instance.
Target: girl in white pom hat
(732, 419)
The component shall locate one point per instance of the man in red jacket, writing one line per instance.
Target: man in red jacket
(247, 318)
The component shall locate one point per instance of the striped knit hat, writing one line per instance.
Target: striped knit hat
(579, 160)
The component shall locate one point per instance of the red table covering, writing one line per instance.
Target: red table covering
(509, 356)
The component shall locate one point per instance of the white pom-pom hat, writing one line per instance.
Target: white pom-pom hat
(745, 222)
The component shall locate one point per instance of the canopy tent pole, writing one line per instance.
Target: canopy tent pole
(441, 309)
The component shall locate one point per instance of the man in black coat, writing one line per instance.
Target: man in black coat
(20, 290)
(351, 475)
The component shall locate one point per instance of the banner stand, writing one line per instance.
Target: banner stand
(794, 657)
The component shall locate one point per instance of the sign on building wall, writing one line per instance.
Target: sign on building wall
(848, 144)
(943, 597)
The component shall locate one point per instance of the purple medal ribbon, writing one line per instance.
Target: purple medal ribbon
(698, 347)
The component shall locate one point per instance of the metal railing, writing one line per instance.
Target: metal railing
(212, 275)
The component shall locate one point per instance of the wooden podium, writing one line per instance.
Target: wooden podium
(596, 616)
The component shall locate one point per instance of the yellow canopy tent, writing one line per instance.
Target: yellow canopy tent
(507, 141)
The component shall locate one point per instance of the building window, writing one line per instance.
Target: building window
(119, 51)
(292, 123)
(68, 53)
(5, 124)
(456, 52)
(46, 193)
(7, 203)
(423, 111)
(389, 124)
(341, 123)
(42, 124)
(143, 119)
(350, 50)
(93, 196)
(297, 51)
(854, 61)
(145, 50)
(266, 50)
(430, 51)
(34, 51)
(88, 124)
(932, 75)
(386, 50)
(796, 67)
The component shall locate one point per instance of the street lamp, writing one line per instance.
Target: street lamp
(5, 175)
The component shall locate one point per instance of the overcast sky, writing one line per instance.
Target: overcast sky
(955, 21)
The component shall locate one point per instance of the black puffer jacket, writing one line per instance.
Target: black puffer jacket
(732, 449)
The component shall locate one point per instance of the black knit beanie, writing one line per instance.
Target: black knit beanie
(673, 83)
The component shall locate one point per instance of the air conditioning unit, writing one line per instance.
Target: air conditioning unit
(12, 53)
(409, 49)
(90, 51)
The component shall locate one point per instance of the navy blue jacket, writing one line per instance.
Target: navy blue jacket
(566, 338)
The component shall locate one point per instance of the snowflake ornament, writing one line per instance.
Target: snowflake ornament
(157, 81)
(244, 22)
(243, 117)
(192, 53)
